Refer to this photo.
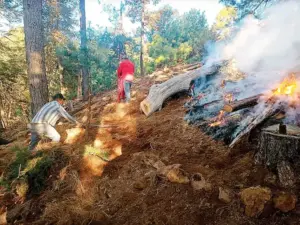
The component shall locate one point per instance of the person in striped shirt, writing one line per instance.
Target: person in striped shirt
(44, 121)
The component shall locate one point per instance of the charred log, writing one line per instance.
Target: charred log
(250, 123)
(240, 104)
(204, 112)
(222, 129)
(160, 92)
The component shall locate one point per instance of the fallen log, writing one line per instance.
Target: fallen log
(251, 122)
(160, 92)
(243, 103)
(278, 146)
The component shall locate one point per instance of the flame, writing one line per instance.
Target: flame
(288, 86)
(228, 97)
(220, 119)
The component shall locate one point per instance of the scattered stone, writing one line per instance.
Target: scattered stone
(270, 179)
(3, 216)
(255, 198)
(224, 195)
(174, 174)
(141, 184)
(285, 201)
(198, 182)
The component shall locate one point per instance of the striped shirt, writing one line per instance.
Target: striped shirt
(51, 113)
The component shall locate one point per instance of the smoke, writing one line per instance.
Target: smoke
(268, 49)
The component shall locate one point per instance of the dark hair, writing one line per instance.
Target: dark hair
(124, 57)
(58, 96)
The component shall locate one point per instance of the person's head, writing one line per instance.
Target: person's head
(59, 98)
(124, 57)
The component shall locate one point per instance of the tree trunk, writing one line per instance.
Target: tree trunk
(160, 92)
(142, 38)
(277, 150)
(79, 86)
(84, 51)
(35, 57)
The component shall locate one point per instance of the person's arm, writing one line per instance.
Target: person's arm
(66, 115)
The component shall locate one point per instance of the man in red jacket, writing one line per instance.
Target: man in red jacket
(125, 74)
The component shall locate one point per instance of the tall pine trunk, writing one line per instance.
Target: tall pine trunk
(84, 53)
(79, 85)
(142, 38)
(35, 57)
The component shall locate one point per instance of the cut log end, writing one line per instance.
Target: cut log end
(228, 108)
(145, 107)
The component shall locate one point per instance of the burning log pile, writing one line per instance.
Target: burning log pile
(224, 110)
(220, 109)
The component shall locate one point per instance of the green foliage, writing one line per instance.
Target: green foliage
(13, 80)
(33, 172)
(37, 171)
(90, 150)
(224, 21)
(171, 38)
(244, 7)
(15, 168)
(177, 38)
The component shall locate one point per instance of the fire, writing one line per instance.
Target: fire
(220, 119)
(228, 97)
(288, 86)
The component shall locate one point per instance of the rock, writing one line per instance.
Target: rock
(141, 184)
(3, 216)
(255, 198)
(174, 174)
(285, 201)
(224, 195)
(198, 182)
(270, 179)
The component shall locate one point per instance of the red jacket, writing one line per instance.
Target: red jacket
(126, 70)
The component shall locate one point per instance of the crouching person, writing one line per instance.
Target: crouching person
(45, 120)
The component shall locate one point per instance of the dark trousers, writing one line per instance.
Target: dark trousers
(127, 89)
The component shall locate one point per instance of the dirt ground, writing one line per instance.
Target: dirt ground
(123, 186)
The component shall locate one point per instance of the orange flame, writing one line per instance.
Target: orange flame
(288, 86)
(228, 97)
(220, 119)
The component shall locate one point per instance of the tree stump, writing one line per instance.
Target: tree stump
(279, 147)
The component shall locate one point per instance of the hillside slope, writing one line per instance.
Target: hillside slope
(115, 175)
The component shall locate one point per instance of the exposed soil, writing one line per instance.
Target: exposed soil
(125, 188)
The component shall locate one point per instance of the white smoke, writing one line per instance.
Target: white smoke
(268, 49)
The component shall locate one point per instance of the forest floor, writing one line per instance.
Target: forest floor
(115, 175)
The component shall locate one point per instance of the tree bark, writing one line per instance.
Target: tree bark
(278, 150)
(84, 51)
(240, 104)
(35, 57)
(160, 92)
(142, 38)
(79, 86)
(252, 123)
